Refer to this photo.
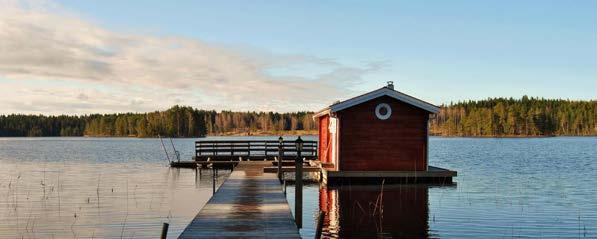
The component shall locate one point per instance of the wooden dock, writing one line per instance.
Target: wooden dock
(250, 204)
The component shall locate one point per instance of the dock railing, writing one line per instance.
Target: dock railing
(227, 150)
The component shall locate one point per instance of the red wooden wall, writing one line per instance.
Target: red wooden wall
(395, 144)
(325, 151)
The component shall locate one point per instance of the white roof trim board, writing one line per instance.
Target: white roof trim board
(322, 112)
(375, 94)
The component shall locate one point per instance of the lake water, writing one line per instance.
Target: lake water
(528, 188)
(96, 188)
(120, 187)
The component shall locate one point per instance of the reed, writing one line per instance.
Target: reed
(356, 203)
(379, 204)
(135, 195)
(73, 224)
(16, 198)
(150, 200)
(32, 225)
(58, 191)
(43, 183)
(97, 191)
(379, 201)
(8, 193)
(579, 231)
(28, 220)
(127, 208)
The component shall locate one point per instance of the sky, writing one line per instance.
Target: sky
(81, 57)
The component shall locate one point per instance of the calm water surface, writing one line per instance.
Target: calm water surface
(528, 188)
(98, 188)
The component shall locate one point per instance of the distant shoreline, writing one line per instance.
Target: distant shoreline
(298, 134)
(270, 133)
(491, 118)
(502, 136)
(230, 134)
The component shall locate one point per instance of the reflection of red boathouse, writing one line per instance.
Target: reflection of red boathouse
(402, 211)
(380, 134)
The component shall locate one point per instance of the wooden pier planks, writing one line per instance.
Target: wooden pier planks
(250, 204)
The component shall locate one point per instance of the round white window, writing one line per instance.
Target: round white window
(383, 111)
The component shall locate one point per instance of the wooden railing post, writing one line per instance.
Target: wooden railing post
(298, 186)
(280, 154)
(249, 150)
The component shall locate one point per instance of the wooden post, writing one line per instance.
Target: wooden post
(298, 186)
(249, 148)
(280, 154)
(213, 173)
(196, 176)
(164, 230)
(319, 226)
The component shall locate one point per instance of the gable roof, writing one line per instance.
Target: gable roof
(384, 91)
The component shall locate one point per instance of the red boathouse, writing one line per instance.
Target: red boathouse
(383, 133)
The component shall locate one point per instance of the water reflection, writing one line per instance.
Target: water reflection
(112, 200)
(375, 211)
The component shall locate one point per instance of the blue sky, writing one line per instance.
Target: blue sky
(440, 51)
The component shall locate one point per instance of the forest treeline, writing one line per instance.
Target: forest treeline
(492, 117)
(516, 117)
(178, 121)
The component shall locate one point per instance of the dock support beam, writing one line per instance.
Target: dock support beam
(298, 186)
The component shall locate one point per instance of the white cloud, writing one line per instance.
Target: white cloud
(68, 65)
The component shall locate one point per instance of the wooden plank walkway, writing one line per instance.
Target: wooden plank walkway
(250, 204)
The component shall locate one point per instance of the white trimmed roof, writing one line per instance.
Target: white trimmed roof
(384, 91)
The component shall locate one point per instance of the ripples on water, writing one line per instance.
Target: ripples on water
(541, 188)
(96, 188)
(537, 188)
